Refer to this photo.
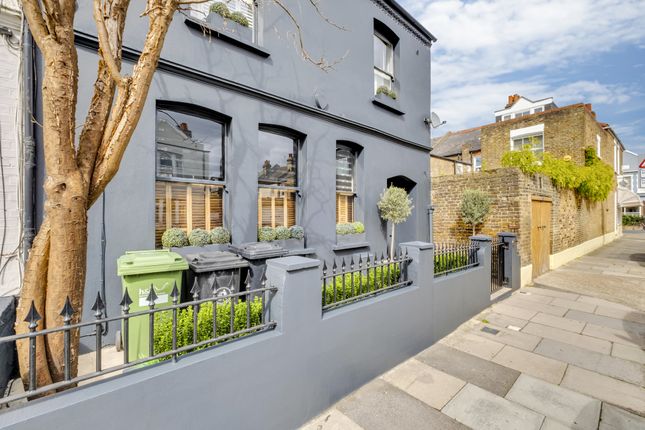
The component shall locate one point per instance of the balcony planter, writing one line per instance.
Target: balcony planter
(229, 27)
(290, 244)
(185, 250)
(348, 239)
(385, 102)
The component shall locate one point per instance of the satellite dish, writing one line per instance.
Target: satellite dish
(434, 120)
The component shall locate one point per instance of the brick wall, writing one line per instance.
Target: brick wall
(573, 220)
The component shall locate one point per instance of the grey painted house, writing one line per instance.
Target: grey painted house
(633, 180)
(240, 131)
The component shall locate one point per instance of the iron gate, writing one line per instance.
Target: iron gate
(497, 274)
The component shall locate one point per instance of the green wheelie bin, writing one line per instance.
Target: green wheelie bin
(139, 270)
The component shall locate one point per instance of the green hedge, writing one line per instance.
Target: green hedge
(356, 283)
(163, 323)
(445, 262)
(633, 220)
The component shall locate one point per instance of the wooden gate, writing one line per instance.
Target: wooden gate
(540, 236)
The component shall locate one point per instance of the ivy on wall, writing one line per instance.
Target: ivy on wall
(593, 181)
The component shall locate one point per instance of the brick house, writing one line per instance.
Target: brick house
(553, 226)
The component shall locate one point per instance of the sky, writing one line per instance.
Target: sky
(590, 51)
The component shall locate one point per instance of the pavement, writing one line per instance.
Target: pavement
(542, 359)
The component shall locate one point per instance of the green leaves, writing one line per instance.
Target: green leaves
(395, 205)
(475, 205)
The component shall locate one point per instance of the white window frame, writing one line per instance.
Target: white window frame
(641, 182)
(534, 130)
(524, 113)
(538, 109)
(385, 74)
(477, 163)
(598, 140)
(631, 181)
(506, 117)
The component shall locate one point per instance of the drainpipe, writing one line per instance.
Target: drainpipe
(29, 145)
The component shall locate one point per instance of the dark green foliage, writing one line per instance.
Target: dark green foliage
(163, 323)
(386, 91)
(355, 284)
(449, 261)
(633, 220)
(221, 9)
(239, 18)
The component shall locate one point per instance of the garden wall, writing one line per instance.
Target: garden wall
(279, 379)
(574, 221)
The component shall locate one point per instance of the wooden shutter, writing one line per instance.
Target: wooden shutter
(276, 207)
(344, 208)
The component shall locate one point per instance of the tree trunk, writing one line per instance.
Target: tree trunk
(392, 243)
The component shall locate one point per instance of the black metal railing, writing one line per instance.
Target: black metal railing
(454, 257)
(349, 282)
(215, 320)
(498, 279)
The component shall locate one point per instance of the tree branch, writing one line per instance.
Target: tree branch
(113, 65)
(37, 26)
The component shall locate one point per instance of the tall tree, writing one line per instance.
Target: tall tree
(76, 175)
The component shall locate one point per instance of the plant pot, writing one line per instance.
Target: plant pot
(388, 103)
(186, 250)
(229, 27)
(346, 239)
(291, 244)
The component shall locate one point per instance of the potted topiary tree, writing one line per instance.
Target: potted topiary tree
(348, 233)
(475, 206)
(233, 24)
(173, 238)
(395, 206)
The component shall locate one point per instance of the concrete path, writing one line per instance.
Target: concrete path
(541, 359)
(614, 272)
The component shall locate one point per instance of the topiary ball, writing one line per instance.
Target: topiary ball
(282, 233)
(220, 236)
(297, 232)
(174, 237)
(220, 9)
(344, 229)
(199, 237)
(358, 227)
(239, 18)
(266, 234)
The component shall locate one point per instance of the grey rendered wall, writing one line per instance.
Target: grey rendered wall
(280, 379)
(7, 350)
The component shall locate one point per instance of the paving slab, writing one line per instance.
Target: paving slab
(426, 383)
(381, 406)
(513, 311)
(628, 352)
(623, 394)
(559, 322)
(573, 409)
(587, 342)
(480, 409)
(604, 303)
(614, 418)
(502, 320)
(627, 371)
(520, 302)
(332, 419)
(551, 424)
(490, 376)
(610, 322)
(574, 304)
(479, 346)
(630, 315)
(532, 364)
(506, 336)
(535, 297)
(614, 335)
(550, 293)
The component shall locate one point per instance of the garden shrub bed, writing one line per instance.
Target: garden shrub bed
(354, 284)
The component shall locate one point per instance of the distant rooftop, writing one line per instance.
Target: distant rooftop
(451, 143)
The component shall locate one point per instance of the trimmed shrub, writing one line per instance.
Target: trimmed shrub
(220, 9)
(358, 227)
(354, 284)
(633, 220)
(449, 261)
(239, 18)
(174, 237)
(344, 229)
(199, 237)
(282, 233)
(220, 236)
(266, 234)
(163, 323)
(297, 232)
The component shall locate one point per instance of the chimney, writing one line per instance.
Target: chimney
(465, 154)
(512, 99)
(590, 109)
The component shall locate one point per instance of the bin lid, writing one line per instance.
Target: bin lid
(214, 261)
(150, 261)
(258, 250)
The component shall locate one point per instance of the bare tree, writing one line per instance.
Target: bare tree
(76, 175)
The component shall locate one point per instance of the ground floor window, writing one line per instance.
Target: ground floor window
(276, 207)
(187, 206)
(344, 208)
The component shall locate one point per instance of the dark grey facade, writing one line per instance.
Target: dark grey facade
(268, 83)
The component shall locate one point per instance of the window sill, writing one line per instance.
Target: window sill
(387, 103)
(208, 29)
(345, 246)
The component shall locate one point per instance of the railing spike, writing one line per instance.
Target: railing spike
(195, 290)
(342, 267)
(174, 294)
(32, 316)
(152, 296)
(98, 305)
(360, 261)
(351, 262)
(263, 281)
(126, 301)
(67, 310)
(247, 280)
(324, 268)
(334, 267)
(216, 286)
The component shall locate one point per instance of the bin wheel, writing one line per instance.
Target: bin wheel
(118, 340)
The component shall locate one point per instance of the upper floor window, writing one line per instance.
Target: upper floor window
(625, 181)
(538, 110)
(345, 183)
(598, 140)
(189, 169)
(642, 181)
(521, 114)
(277, 179)
(245, 7)
(506, 117)
(534, 142)
(383, 62)
(477, 163)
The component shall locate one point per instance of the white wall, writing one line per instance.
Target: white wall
(10, 132)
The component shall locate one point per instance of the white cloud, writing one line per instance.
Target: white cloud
(489, 49)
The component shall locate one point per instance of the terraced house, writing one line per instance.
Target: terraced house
(553, 226)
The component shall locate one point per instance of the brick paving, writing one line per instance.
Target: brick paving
(553, 360)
